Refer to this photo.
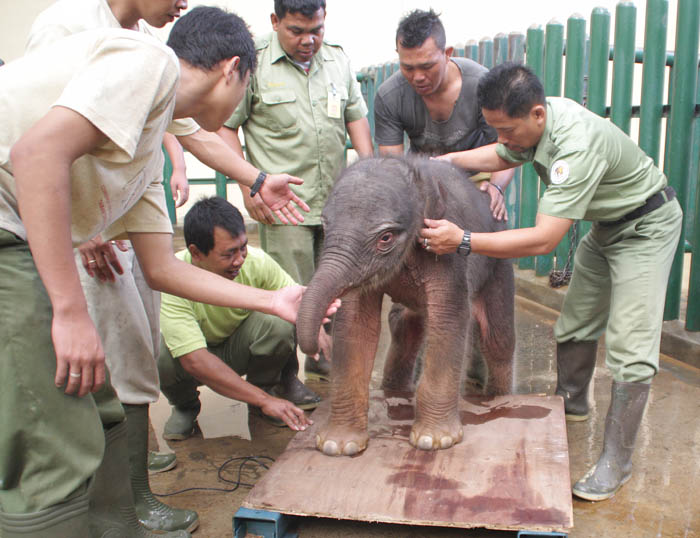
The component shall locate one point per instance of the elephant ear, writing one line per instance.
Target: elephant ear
(432, 191)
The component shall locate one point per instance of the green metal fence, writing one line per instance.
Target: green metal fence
(574, 61)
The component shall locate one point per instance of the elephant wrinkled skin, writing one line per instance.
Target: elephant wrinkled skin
(371, 222)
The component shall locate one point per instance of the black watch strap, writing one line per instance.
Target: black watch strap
(258, 183)
(465, 247)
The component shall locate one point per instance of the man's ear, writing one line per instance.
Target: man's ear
(538, 113)
(195, 253)
(231, 68)
(449, 51)
(274, 20)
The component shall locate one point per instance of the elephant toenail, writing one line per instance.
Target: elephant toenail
(351, 448)
(446, 442)
(412, 438)
(330, 448)
(425, 442)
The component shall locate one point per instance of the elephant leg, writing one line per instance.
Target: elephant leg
(493, 310)
(407, 332)
(437, 423)
(356, 330)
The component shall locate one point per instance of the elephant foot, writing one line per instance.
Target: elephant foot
(341, 441)
(426, 436)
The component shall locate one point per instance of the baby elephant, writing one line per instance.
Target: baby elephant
(371, 223)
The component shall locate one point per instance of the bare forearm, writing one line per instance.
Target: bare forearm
(482, 159)
(511, 243)
(174, 150)
(211, 150)
(218, 376)
(360, 137)
(503, 178)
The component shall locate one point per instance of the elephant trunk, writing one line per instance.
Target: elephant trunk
(329, 282)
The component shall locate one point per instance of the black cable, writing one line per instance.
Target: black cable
(244, 461)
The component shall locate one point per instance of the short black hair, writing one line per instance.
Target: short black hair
(305, 7)
(418, 26)
(207, 35)
(512, 88)
(205, 215)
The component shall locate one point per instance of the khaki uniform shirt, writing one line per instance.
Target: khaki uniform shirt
(592, 169)
(68, 17)
(287, 123)
(124, 83)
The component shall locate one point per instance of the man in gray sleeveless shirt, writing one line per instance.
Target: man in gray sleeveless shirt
(433, 100)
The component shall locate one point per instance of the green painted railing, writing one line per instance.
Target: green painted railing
(584, 78)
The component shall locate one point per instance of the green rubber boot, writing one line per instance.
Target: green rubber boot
(66, 520)
(180, 425)
(575, 367)
(159, 462)
(112, 513)
(152, 513)
(614, 466)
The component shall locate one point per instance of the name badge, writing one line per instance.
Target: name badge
(333, 103)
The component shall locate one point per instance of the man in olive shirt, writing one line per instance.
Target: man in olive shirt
(593, 171)
(301, 101)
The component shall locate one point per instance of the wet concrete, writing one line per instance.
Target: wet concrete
(660, 500)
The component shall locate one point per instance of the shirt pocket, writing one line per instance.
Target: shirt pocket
(279, 109)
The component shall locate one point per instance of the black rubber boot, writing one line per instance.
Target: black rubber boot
(160, 462)
(575, 367)
(152, 513)
(292, 389)
(65, 520)
(614, 466)
(318, 370)
(112, 513)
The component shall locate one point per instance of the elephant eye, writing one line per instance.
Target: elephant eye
(385, 240)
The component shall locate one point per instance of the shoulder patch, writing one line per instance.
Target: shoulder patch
(559, 172)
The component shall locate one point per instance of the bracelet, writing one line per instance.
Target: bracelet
(262, 176)
(499, 189)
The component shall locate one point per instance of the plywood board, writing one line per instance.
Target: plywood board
(511, 471)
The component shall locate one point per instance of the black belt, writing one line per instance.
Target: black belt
(655, 201)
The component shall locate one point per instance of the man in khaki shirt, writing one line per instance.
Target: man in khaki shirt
(592, 171)
(63, 458)
(300, 104)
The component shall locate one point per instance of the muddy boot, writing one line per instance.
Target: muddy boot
(152, 513)
(318, 370)
(292, 389)
(112, 511)
(159, 462)
(65, 520)
(182, 420)
(614, 466)
(575, 367)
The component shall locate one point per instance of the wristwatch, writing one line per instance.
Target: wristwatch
(262, 176)
(465, 247)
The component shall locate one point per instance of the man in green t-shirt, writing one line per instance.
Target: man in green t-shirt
(592, 171)
(213, 345)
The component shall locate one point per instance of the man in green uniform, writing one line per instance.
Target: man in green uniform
(301, 101)
(593, 171)
(213, 345)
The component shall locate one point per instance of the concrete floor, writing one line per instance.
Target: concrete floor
(662, 498)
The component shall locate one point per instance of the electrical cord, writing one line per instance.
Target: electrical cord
(238, 483)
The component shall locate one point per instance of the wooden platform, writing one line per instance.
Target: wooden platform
(510, 472)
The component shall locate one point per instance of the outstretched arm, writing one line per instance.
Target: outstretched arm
(444, 237)
(44, 196)
(481, 159)
(360, 137)
(218, 376)
(164, 272)
(212, 151)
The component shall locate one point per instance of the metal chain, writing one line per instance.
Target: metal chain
(561, 277)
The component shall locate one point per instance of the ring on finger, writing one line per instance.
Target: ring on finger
(425, 242)
(75, 374)
(92, 261)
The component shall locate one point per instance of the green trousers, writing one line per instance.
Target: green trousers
(50, 443)
(618, 287)
(259, 348)
(295, 248)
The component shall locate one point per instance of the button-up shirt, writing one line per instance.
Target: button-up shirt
(288, 124)
(592, 169)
